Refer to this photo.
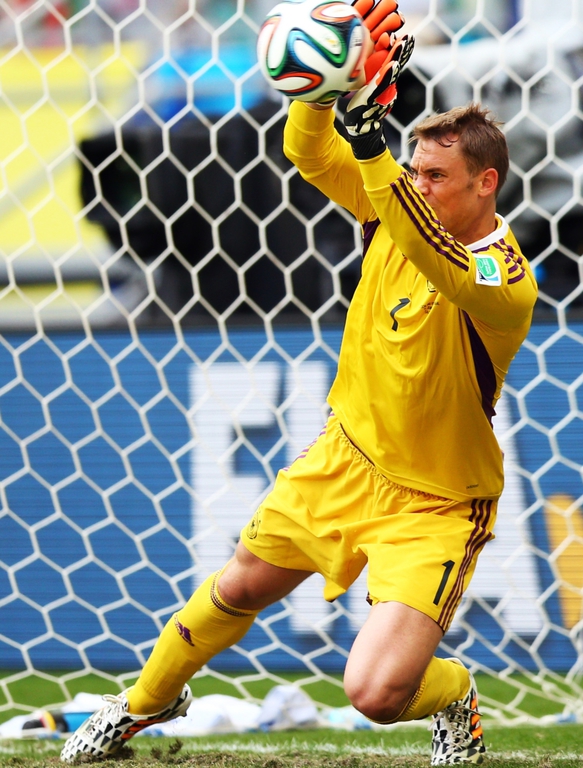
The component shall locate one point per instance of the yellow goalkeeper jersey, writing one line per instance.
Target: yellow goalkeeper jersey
(432, 327)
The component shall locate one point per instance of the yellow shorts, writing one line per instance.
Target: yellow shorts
(331, 512)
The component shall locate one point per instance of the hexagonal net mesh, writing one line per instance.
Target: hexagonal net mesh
(171, 309)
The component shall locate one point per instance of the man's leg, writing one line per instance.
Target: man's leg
(217, 616)
(392, 673)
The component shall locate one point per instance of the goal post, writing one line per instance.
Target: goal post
(172, 296)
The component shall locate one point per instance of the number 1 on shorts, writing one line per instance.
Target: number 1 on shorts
(447, 570)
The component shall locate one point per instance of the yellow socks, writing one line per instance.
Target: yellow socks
(444, 682)
(204, 627)
(207, 625)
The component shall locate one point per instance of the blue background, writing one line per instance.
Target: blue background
(117, 393)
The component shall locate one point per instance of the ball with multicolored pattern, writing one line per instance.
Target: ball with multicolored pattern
(312, 50)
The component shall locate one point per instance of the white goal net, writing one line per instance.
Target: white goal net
(171, 305)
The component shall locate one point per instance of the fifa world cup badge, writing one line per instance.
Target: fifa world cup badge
(488, 271)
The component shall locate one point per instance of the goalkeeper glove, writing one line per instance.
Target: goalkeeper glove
(367, 108)
(382, 19)
(379, 16)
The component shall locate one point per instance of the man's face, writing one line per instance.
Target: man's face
(441, 174)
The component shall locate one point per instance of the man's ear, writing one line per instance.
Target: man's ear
(488, 182)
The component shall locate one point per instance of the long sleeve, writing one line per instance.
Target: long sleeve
(324, 159)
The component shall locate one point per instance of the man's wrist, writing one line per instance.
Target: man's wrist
(367, 146)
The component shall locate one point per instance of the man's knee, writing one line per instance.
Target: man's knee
(237, 584)
(249, 583)
(381, 701)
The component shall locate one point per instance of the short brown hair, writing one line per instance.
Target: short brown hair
(482, 142)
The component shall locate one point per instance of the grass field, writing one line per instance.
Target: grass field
(406, 747)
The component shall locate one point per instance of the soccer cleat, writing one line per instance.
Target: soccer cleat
(108, 729)
(457, 731)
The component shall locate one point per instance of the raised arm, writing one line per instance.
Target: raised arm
(324, 158)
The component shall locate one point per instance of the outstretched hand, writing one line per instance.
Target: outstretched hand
(379, 17)
(382, 19)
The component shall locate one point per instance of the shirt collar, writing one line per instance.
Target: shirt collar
(498, 234)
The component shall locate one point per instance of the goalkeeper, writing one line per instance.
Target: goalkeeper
(407, 472)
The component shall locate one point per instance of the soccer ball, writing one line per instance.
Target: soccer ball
(312, 50)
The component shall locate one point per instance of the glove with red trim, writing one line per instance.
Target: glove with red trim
(367, 108)
(382, 19)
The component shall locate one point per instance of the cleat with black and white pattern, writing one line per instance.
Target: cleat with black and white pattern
(108, 729)
(457, 731)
